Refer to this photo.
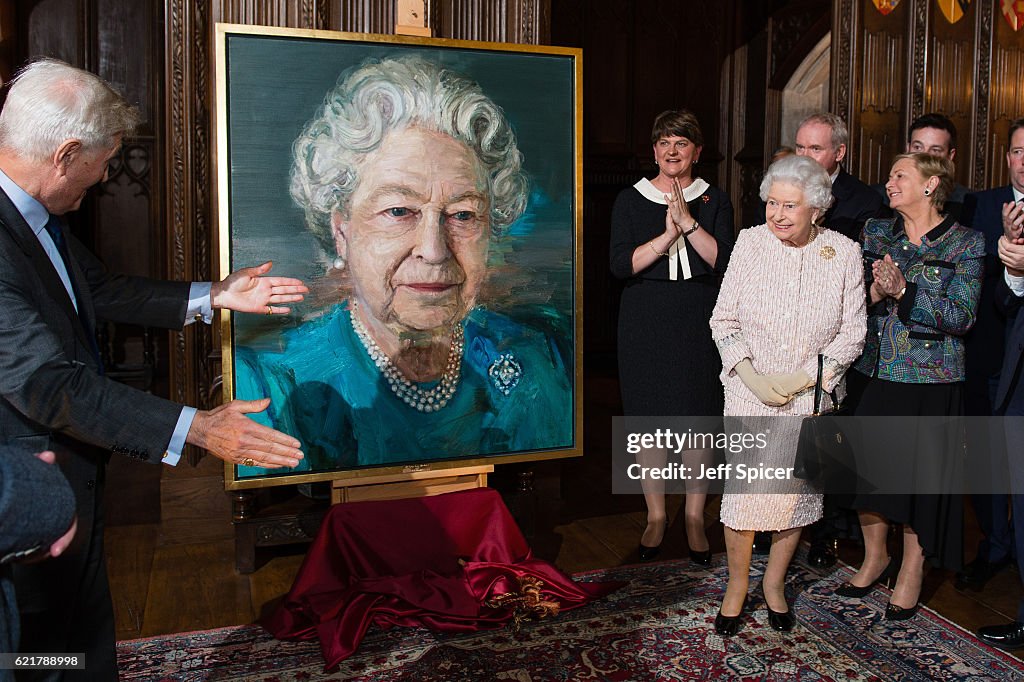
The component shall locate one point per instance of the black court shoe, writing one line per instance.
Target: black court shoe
(848, 589)
(783, 621)
(727, 626)
(648, 553)
(701, 558)
(893, 612)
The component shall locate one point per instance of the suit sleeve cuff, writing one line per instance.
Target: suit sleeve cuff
(177, 444)
(200, 307)
(1016, 284)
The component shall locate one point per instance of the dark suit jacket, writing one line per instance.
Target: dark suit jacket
(36, 508)
(52, 396)
(855, 203)
(985, 342)
(1009, 390)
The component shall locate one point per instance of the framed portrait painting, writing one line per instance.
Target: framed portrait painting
(428, 193)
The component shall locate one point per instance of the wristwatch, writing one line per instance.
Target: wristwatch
(693, 229)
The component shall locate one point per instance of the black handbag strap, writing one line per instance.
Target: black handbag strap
(818, 390)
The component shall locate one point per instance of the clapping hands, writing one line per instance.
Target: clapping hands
(678, 216)
(888, 277)
(1011, 244)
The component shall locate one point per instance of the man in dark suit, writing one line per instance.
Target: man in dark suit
(59, 128)
(824, 137)
(37, 520)
(933, 134)
(986, 212)
(1008, 399)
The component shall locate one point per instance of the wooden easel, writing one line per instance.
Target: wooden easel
(411, 19)
(413, 483)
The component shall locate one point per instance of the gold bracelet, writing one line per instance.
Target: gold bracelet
(651, 244)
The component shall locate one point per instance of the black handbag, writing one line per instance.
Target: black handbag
(823, 452)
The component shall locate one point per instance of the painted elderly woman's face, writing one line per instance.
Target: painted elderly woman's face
(417, 230)
(788, 214)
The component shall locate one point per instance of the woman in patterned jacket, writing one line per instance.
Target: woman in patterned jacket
(924, 285)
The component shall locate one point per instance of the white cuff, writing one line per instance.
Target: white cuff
(200, 307)
(1016, 284)
(177, 444)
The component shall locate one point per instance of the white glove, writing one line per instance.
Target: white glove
(766, 390)
(790, 384)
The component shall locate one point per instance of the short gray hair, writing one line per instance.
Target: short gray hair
(50, 102)
(380, 96)
(840, 135)
(803, 172)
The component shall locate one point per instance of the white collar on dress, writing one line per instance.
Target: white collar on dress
(652, 193)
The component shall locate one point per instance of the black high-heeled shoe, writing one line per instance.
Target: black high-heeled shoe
(727, 626)
(701, 558)
(648, 553)
(848, 589)
(894, 612)
(783, 621)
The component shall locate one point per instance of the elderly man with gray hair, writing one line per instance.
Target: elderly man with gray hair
(824, 138)
(59, 129)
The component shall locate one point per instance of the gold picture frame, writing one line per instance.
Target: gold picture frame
(517, 393)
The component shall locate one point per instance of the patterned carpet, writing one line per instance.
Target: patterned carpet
(659, 627)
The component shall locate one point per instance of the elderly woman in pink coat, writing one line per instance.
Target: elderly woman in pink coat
(792, 291)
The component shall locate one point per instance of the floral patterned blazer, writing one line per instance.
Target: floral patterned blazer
(920, 339)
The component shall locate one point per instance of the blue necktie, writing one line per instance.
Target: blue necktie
(54, 229)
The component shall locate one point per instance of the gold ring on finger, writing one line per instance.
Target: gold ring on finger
(248, 462)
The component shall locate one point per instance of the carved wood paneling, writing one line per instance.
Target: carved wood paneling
(844, 22)
(968, 71)
(503, 21)
(874, 150)
(983, 61)
(919, 44)
(360, 16)
(949, 78)
(1004, 99)
(301, 14)
(882, 71)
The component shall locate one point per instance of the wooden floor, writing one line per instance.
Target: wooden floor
(170, 541)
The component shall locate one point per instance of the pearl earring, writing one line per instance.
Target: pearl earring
(338, 263)
(927, 192)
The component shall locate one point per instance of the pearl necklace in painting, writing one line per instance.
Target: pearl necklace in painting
(430, 400)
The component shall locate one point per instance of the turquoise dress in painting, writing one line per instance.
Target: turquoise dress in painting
(514, 395)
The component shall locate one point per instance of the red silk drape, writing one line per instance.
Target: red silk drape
(429, 561)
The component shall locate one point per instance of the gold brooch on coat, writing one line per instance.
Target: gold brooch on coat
(827, 252)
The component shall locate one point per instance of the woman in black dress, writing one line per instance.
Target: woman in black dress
(671, 239)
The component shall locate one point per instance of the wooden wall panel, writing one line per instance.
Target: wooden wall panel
(503, 21)
(870, 83)
(949, 77)
(360, 16)
(968, 70)
(56, 28)
(1005, 98)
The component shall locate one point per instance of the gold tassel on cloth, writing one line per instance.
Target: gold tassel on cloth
(525, 604)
